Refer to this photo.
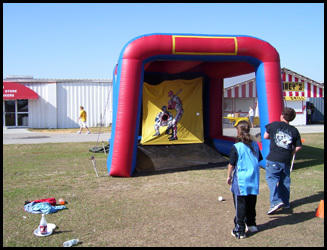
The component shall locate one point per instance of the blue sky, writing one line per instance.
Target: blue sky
(84, 40)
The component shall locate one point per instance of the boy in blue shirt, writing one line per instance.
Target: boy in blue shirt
(243, 175)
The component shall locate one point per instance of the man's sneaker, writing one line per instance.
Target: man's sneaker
(88, 132)
(238, 235)
(251, 229)
(275, 208)
(78, 132)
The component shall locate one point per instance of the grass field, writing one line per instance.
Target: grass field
(168, 209)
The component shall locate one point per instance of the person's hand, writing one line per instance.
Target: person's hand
(229, 180)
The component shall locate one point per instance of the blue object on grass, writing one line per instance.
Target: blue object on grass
(42, 208)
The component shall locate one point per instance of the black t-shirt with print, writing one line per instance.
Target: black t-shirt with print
(283, 139)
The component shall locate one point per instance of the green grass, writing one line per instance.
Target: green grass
(172, 209)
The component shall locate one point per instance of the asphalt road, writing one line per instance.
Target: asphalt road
(23, 136)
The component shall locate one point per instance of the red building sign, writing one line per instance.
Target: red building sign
(15, 91)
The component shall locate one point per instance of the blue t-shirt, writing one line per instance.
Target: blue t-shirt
(247, 171)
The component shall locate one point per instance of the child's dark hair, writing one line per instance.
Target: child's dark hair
(288, 114)
(243, 134)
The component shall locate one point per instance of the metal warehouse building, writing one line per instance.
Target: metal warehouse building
(54, 103)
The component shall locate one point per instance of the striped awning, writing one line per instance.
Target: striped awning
(242, 90)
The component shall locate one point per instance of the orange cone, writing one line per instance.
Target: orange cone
(320, 209)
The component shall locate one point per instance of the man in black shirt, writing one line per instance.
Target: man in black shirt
(285, 140)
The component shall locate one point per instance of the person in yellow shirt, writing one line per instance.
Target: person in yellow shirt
(82, 120)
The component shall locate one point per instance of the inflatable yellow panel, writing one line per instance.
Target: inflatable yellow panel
(172, 112)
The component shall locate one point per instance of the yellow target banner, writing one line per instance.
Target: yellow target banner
(172, 112)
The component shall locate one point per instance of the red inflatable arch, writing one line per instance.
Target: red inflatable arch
(215, 56)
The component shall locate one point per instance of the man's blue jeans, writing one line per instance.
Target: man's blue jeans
(279, 181)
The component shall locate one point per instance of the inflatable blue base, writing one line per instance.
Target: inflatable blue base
(223, 146)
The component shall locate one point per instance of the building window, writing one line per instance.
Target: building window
(9, 108)
(16, 113)
(298, 106)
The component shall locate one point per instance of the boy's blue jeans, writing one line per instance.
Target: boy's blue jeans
(279, 181)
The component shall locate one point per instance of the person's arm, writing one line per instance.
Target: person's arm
(233, 157)
(297, 149)
(266, 135)
(229, 174)
(298, 143)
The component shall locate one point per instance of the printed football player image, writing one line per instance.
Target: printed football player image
(175, 103)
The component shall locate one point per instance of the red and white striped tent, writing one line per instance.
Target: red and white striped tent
(296, 90)
(245, 89)
(310, 87)
(304, 89)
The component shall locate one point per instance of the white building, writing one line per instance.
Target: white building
(54, 103)
(298, 91)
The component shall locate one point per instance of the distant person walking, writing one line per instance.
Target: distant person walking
(243, 175)
(285, 141)
(251, 116)
(82, 120)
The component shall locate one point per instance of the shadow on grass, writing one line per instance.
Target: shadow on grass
(60, 232)
(181, 169)
(293, 218)
(310, 199)
(308, 156)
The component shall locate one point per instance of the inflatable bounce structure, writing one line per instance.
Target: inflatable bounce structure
(168, 90)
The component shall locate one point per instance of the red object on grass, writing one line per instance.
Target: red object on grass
(52, 201)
